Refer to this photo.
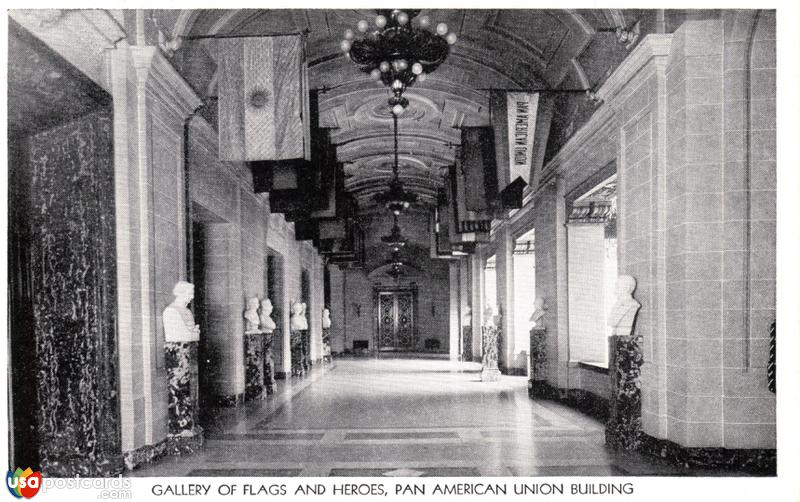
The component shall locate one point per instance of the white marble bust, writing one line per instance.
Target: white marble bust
(179, 325)
(468, 316)
(267, 325)
(296, 321)
(625, 309)
(488, 317)
(326, 318)
(251, 316)
(539, 310)
(304, 316)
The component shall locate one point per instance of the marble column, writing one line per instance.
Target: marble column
(255, 387)
(180, 361)
(538, 378)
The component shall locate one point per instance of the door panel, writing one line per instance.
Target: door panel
(395, 321)
(404, 325)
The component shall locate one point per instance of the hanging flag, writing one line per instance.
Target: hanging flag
(521, 110)
(263, 99)
(514, 123)
(478, 167)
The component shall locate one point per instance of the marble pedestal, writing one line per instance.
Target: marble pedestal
(491, 341)
(254, 387)
(296, 348)
(184, 435)
(538, 351)
(466, 343)
(269, 363)
(624, 426)
(326, 344)
(307, 362)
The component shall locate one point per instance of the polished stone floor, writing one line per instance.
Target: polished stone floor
(404, 417)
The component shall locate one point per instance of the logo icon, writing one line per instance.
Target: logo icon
(24, 483)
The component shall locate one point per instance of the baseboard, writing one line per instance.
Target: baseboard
(761, 462)
(143, 455)
(583, 401)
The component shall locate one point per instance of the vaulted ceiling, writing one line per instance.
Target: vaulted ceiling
(496, 49)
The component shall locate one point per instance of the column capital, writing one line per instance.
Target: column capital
(157, 75)
(654, 48)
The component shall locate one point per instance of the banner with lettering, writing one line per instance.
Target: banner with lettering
(263, 99)
(521, 109)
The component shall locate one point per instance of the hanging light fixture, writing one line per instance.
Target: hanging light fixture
(396, 198)
(398, 51)
(396, 269)
(395, 240)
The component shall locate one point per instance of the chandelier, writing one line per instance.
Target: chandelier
(395, 198)
(398, 52)
(396, 269)
(395, 240)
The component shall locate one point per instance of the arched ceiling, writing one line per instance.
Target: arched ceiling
(496, 49)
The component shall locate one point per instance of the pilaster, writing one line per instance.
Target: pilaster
(151, 104)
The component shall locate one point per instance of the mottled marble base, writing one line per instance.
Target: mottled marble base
(539, 365)
(254, 387)
(269, 363)
(185, 444)
(180, 360)
(306, 351)
(491, 346)
(296, 348)
(80, 466)
(326, 346)
(757, 461)
(144, 455)
(466, 343)
(624, 426)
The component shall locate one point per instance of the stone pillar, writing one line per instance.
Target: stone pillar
(477, 315)
(180, 360)
(454, 317)
(255, 384)
(537, 383)
(505, 299)
(151, 103)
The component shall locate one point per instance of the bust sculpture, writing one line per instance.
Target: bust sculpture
(488, 317)
(539, 309)
(251, 316)
(179, 325)
(303, 316)
(468, 316)
(266, 324)
(326, 318)
(625, 309)
(296, 321)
